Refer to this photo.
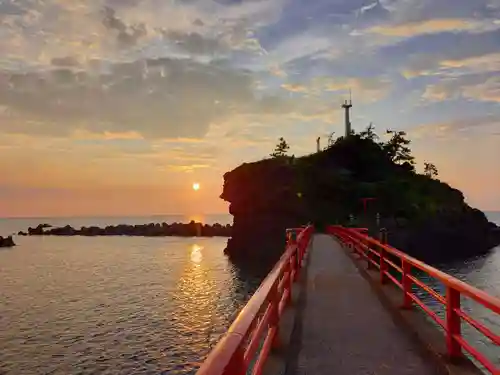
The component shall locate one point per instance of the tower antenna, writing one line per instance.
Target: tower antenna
(347, 106)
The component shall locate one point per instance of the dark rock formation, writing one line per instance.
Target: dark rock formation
(36, 231)
(263, 203)
(424, 217)
(446, 236)
(7, 241)
(191, 229)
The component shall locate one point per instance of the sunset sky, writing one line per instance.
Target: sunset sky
(116, 107)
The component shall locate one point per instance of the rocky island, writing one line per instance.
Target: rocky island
(191, 229)
(7, 241)
(424, 217)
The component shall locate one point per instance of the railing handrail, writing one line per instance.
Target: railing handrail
(227, 357)
(454, 288)
(478, 295)
(251, 310)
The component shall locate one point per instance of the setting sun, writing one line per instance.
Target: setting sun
(196, 186)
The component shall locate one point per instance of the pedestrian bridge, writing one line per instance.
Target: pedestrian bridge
(344, 303)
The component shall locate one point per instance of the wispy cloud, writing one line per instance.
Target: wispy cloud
(432, 26)
(484, 125)
(472, 87)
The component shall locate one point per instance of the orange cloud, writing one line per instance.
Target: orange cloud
(293, 87)
(424, 27)
(487, 90)
(429, 66)
(365, 89)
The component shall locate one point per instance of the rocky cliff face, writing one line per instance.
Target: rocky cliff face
(263, 203)
(425, 217)
(446, 236)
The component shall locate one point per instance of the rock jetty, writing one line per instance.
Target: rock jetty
(191, 229)
(7, 241)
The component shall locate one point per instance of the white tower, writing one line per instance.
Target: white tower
(347, 106)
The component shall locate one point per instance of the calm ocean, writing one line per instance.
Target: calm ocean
(136, 305)
(114, 305)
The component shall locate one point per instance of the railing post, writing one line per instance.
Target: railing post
(367, 252)
(407, 284)
(274, 318)
(453, 322)
(383, 264)
(298, 262)
(302, 244)
(306, 238)
(291, 277)
(237, 364)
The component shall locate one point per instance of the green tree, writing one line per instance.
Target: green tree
(369, 133)
(281, 149)
(331, 140)
(430, 170)
(397, 148)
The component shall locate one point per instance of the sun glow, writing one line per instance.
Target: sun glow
(196, 255)
(196, 186)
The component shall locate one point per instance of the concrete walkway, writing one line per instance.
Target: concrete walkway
(344, 329)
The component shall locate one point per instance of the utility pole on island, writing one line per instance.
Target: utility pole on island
(317, 143)
(347, 106)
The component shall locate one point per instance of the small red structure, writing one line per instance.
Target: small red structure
(365, 200)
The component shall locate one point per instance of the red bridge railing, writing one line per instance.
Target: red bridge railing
(385, 258)
(257, 325)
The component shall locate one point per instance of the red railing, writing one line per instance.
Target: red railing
(257, 325)
(385, 258)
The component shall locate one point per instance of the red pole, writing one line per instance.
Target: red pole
(237, 364)
(365, 200)
(407, 283)
(453, 322)
(383, 265)
(274, 319)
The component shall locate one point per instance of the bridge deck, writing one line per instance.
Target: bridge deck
(343, 328)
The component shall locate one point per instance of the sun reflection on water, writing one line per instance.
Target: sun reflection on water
(196, 255)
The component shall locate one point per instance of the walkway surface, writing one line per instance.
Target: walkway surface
(344, 329)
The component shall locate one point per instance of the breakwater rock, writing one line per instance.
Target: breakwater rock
(7, 241)
(191, 229)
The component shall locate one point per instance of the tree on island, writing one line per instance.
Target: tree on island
(331, 140)
(369, 133)
(281, 149)
(397, 148)
(430, 170)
